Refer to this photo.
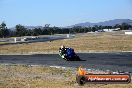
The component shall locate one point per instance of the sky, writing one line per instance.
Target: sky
(62, 13)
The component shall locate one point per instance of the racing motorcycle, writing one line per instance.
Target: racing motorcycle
(69, 55)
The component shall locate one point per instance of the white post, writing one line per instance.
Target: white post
(68, 35)
(15, 40)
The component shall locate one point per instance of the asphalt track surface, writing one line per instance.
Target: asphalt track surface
(102, 61)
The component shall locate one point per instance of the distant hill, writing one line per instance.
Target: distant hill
(105, 23)
(32, 27)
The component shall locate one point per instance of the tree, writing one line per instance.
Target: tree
(20, 30)
(65, 30)
(51, 30)
(29, 32)
(37, 31)
(85, 29)
(96, 27)
(12, 33)
(124, 26)
(117, 26)
(57, 30)
(4, 32)
(93, 29)
(78, 29)
(45, 31)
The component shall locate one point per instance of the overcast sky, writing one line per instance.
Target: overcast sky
(62, 12)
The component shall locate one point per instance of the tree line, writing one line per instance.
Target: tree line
(21, 30)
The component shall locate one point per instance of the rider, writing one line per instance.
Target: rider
(62, 50)
(66, 51)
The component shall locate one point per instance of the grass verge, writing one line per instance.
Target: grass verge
(28, 76)
(104, 42)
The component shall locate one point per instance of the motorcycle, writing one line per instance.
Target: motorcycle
(70, 55)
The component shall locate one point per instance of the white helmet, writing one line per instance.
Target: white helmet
(62, 46)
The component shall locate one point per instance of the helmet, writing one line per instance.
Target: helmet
(62, 46)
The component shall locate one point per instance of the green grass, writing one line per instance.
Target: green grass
(3, 43)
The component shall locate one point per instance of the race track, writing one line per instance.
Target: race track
(104, 61)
